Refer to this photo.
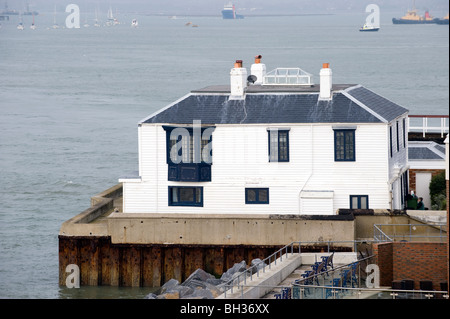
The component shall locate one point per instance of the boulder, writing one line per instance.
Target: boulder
(215, 281)
(202, 294)
(256, 264)
(171, 294)
(169, 285)
(184, 291)
(197, 276)
(236, 269)
(200, 284)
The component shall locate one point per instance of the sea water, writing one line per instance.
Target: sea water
(70, 101)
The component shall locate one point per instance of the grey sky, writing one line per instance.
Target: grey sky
(247, 7)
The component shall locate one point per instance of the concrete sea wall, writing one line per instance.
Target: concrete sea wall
(117, 249)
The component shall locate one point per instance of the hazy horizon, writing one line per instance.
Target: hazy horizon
(246, 7)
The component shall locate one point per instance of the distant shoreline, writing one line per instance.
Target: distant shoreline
(246, 16)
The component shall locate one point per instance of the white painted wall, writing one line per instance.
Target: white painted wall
(399, 159)
(240, 160)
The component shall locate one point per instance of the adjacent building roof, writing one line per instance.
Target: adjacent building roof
(279, 104)
(425, 150)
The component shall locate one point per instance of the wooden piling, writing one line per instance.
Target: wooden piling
(102, 263)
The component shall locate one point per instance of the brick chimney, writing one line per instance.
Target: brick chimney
(326, 82)
(258, 69)
(238, 81)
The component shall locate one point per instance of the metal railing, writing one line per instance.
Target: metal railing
(298, 289)
(287, 76)
(327, 292)
(410, 232)
(430, 124)
(352, 285)
(241, 280)
(356, 288)
(282, 254)
(379, 235)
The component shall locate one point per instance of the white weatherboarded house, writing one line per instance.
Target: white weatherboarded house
(271, 143)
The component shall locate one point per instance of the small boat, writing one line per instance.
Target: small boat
(33, 26)
(96, 23)
(20, 25)
(111, 19)
(55, 25)
(134, 23)
(368, 28)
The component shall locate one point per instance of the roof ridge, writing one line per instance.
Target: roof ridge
(164, 108)
(358, 102)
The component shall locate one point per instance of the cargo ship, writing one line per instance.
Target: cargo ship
(412, 17)
(229, 12)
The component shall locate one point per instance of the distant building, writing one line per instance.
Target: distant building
(271, 143)
(426, 159)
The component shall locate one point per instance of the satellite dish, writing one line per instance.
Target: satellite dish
(251, 78)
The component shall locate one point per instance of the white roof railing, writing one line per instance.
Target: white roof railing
(430, 124)
(287, 76)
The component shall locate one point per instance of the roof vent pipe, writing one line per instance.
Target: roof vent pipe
(238, 81)
(258, 69)
(326, 82)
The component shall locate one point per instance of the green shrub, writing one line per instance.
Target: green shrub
(438, 192)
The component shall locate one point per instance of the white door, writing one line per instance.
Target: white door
(423, 188)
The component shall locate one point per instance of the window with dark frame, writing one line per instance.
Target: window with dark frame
(189, 153)
(278, 145)
(390, 140)
(359, 202)
(257, 196)
(344, 145)
(185, 196)
(398, 137)
(404, 133)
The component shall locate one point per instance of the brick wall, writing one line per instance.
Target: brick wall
(383, 258)
(412, 176)
(448, 242)
(412, 260)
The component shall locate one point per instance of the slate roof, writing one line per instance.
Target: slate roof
(425, 150)
(279, 104)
